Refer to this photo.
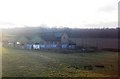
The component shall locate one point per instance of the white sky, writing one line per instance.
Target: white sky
(57, 13)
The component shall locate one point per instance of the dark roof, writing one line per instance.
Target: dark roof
(81, 33)
(72, 33)
(94, 33)
(51, 36)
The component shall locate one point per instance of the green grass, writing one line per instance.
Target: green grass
(0, 60)
(46, 63)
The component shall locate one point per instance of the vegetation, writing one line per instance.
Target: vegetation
(0, 59)
(54, 63)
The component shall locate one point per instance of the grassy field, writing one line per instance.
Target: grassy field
(46, 63)
(0, 59)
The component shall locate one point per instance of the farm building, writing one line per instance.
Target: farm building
(66, 39)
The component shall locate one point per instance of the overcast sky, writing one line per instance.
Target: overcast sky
(59, 13)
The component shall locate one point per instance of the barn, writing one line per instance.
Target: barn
(67, 39)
